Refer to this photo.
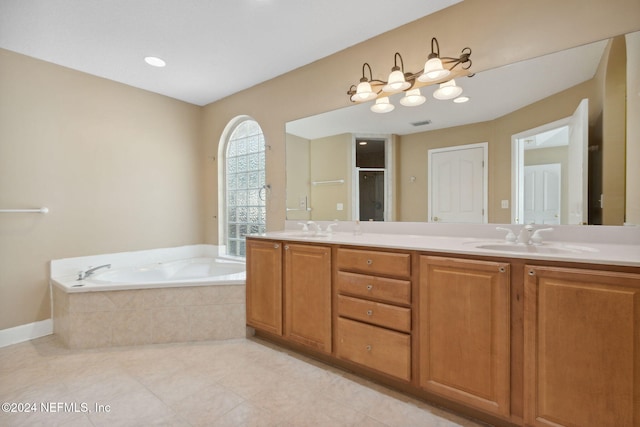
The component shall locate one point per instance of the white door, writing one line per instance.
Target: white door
(457, 184)
(542, 190)
(577, 167)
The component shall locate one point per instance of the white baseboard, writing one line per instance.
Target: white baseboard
(26, 332)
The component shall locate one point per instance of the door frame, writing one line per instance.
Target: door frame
(389, 162)
(517, 166)
(485, 176)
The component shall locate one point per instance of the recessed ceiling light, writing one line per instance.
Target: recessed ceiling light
(461, 99)
(154, 61)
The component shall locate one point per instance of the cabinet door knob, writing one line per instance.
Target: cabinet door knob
(502, 269)
(369, 312)
(369, 287)
(532, 273)
(368, 348)
(276, 246)
(286, 247)
(369, 261)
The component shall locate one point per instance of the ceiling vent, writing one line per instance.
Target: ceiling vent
(421, 123)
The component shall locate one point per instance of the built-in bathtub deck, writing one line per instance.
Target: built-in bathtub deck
(104, 315)
(148, 316)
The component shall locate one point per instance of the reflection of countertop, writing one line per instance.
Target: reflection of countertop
(627, 254)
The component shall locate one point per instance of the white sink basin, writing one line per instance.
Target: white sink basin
(535, 249)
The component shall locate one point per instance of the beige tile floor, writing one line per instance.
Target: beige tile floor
(241, 382)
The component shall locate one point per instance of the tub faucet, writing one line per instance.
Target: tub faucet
(84, 274)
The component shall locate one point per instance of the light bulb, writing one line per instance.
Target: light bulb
(413, 98)
(433, 70)
(447, 90)
(382, 105)
(396, 82)
(363, 92)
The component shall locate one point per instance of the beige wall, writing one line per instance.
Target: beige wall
(298, 178)
(331, 161)
(119, 169)
(413, 157)
(614, 133)
(633, 129)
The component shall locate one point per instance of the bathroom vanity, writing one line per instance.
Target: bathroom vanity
(510, 335)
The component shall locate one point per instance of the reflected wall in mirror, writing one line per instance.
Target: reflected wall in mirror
(506, 107)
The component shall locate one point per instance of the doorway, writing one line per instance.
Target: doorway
(371, 195)
(566, 142)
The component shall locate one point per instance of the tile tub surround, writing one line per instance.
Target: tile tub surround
(149, 316)
(233, 383)
(86, 318)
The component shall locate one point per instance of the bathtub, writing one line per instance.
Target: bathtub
(190, 293)
(200, 271)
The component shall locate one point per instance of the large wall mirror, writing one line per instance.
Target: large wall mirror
(547, 140)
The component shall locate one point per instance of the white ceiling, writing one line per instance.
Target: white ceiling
(492, 93)
(213, 48)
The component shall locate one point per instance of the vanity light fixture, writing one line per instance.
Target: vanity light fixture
(461, 99)
(437, 70)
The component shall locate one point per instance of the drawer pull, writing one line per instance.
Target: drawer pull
(369, 261)
(369, 287)
(368, 348)
(369, 312)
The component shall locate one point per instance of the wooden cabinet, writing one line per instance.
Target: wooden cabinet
(307, 295)
(264, 285)
(582, 348)
(288, 291)
(531, 345)
(464, 309)
(373, 300)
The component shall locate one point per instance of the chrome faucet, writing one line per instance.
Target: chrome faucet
(536, 238)
(318, 228)
(315, 225)
(525, 234)
(84, 274)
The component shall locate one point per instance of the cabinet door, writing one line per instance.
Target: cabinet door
(307, 294)
(264, 285)
(582, 348)
(464, 331)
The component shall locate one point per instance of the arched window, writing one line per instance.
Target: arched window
(243, 208)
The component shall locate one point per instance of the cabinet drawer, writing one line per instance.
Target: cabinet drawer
(389, 290)
(375, 262)
(389, 316)
(377, 348)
